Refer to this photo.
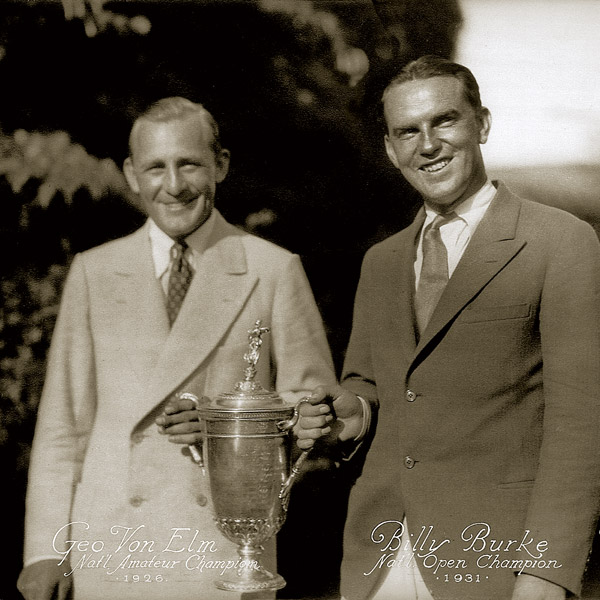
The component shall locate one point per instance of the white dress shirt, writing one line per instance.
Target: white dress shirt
(457, 233)
(161, 245)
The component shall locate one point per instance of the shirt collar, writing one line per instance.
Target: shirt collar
(161, 243)
(471, 211)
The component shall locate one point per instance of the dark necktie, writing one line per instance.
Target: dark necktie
(434, 271)
(179, 280)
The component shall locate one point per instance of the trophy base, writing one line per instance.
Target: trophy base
(255, 580)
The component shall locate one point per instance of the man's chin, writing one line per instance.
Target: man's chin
(181, 228)
(442, 203)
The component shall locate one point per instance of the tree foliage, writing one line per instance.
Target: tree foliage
(59, 165)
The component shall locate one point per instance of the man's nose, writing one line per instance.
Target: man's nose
(429, 142)
(174, 182)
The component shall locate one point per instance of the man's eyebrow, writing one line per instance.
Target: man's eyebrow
(436, 120)
(445, 116)
(151, 162)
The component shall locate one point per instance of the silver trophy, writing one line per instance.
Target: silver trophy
(247, 451)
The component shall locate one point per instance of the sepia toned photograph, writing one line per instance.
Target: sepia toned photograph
(300, 299)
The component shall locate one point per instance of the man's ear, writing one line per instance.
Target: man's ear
(130, 176)
(485, 120)
(222, 161)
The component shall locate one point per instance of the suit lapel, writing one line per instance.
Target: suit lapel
(140, 317)
(217, 294)
(397, 284)
(493, 245)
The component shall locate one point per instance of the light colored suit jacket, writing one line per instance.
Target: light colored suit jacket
(487, 428)
(98, 460)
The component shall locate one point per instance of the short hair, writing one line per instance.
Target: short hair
(429, 66)
(173, 109)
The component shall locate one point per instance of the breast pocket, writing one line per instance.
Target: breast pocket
(476, 314)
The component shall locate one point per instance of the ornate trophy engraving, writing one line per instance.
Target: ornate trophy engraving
(247, 454)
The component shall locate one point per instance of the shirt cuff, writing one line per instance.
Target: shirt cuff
(351, 447)
(366, 419)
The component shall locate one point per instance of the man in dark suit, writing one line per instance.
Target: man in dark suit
(471, 384)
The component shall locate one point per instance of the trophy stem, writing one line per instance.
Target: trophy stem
(251, 576)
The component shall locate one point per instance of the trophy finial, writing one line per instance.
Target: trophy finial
(255, 342)
(250, 390)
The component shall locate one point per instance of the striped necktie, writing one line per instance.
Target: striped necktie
(179, 280)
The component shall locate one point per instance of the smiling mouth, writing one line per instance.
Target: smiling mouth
(435, 167)
(179, 204)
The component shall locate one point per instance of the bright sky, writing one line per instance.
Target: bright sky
(538, 66)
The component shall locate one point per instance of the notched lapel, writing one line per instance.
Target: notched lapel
(396, 281)
(217, 294)
(138, 307)
(492, 247)
(468, 280)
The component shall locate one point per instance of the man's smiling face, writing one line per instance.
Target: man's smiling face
(175, 171)
(434, 138)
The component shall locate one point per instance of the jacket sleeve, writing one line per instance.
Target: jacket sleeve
(64, 420)
(564, 503)
(300, 349)
(359, 372)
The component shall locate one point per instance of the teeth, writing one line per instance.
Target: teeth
(179, 204)
(435, 167)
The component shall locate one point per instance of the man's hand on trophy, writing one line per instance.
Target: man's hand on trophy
(331, 409)
(180, 421)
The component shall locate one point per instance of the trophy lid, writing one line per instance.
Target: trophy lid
(249, 394)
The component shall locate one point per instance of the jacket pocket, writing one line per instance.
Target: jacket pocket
(475, 314)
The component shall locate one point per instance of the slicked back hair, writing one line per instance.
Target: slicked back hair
(430, 66)
(176, 108)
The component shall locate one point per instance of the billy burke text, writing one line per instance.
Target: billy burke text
(485, 552)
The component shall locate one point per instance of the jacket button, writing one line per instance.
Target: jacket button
(136, 501)
(409, 462)
(201, 499)
(411, 396)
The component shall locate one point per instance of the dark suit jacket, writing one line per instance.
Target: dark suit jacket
(492, 418)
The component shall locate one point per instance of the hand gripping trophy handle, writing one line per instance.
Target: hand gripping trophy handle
(194, 451)
(284, 494)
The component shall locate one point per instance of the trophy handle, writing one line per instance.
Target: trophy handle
(284, 493)
(286, 486)
(196, 454)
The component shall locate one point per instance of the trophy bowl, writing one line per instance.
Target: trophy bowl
(247, 452)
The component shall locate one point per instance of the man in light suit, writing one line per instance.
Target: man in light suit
(114, 510)
(471, 382)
